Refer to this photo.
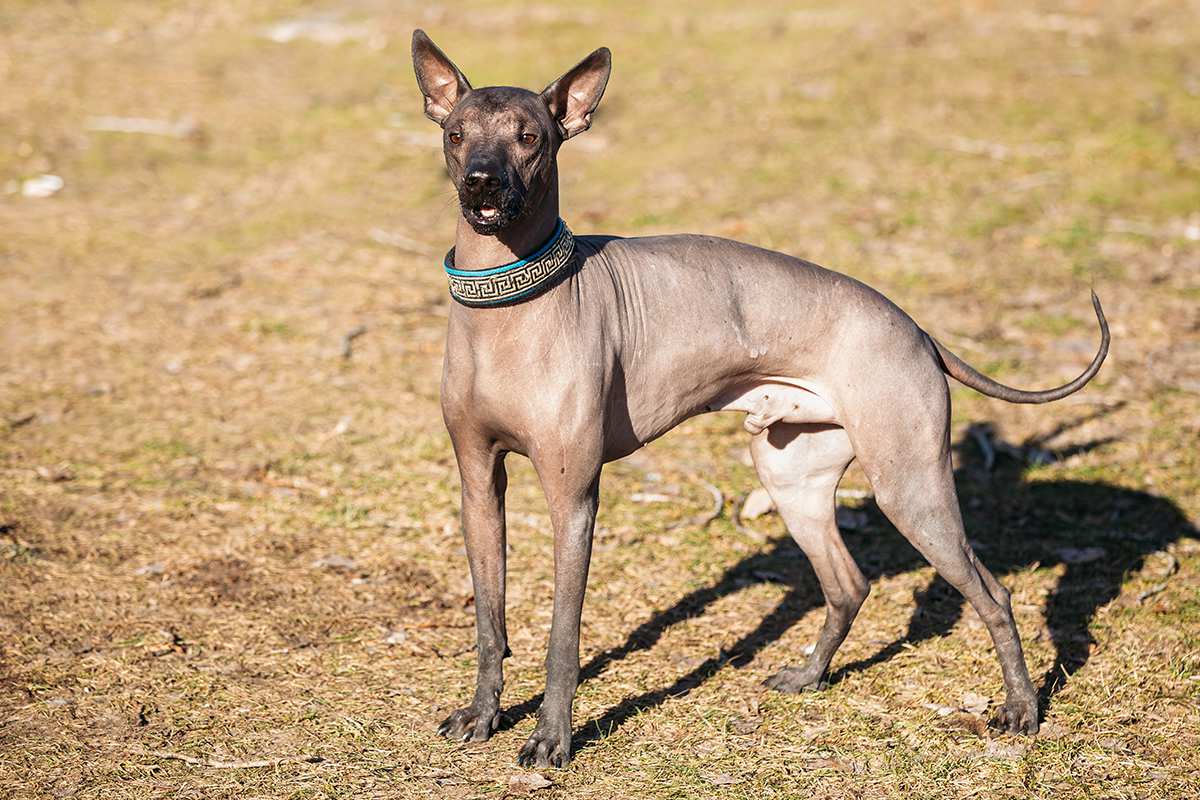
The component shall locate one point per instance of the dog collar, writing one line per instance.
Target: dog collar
(520, 280)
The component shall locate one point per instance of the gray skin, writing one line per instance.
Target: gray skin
(648, 332)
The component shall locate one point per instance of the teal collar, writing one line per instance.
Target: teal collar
(520, 280)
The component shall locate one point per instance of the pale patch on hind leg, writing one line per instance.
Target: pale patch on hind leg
(800, 466)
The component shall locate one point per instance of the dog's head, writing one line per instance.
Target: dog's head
(501, 142)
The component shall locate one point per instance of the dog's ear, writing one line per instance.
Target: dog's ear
(442, 84)
(573, 97)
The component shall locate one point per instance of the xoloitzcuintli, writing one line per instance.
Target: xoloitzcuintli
(578, 351)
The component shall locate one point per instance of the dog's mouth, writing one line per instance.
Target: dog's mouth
(490, 216)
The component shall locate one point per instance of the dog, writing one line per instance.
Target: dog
(577, 351)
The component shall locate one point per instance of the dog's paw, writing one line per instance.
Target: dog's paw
(794, 680)
(546, 748)
(1019, 715)
(470, 724)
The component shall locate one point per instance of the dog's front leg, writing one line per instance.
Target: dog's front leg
(483, 483)
(572, 491)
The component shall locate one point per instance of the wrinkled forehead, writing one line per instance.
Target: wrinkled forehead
(499, 108)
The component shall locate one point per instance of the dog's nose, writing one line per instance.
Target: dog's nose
(482, 178)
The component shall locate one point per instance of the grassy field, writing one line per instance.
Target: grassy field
(228, 527)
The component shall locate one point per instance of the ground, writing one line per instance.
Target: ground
(229, 526)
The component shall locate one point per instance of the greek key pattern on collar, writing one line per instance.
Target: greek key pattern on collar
(519, 281)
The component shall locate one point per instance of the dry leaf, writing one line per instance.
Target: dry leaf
(56, 474)
(525, 782)
(974, 703)
(1004, 751)
(939, 709)
(971, 723)
(1052, 731)
(335, 562)
(743, 726)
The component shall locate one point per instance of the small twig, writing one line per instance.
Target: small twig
(742, 527)
(980, 435)
(433, 625)
(1172, 568)
(184, 128)
(702, 520)
(22, 420)
(400, 242)
(255, 764)
(348, 340)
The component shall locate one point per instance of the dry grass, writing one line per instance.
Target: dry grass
(221, 539)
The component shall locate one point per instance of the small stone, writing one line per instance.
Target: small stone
(42, 186)
(395, 637)
(153, 568)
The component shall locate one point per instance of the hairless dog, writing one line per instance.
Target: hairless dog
(576, 351)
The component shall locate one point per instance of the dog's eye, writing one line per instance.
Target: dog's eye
(455, 137)
(528, 138)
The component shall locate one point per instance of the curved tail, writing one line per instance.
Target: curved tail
(967, 375)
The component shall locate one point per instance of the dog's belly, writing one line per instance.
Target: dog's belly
(764, 400)
(776, 399)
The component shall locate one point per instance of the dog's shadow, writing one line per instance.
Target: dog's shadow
(1100, 533)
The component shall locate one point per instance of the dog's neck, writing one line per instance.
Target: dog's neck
(479, 251)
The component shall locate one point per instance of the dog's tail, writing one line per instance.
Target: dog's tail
(967, 375)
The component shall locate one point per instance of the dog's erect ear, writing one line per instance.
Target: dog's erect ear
(443, 85)
(573, 97)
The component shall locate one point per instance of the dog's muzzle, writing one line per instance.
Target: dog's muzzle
(488, 202)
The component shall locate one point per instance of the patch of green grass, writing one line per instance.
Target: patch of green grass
(268, 327)
(1050, 323)
(1000, 216)
(167, 449)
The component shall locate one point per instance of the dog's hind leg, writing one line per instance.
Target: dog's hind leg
(800, 466)
(916, 492)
